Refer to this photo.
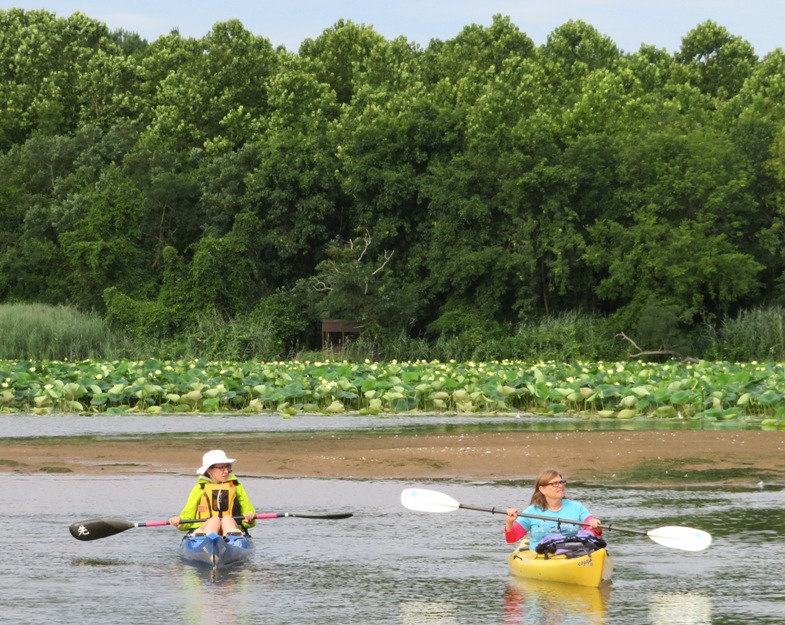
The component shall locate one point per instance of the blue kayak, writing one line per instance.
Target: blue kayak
(216, 551)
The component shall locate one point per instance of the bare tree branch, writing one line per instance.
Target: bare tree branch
(656, 352)
(627, 338)
(335, 267)
(367, 239)
(387, 257)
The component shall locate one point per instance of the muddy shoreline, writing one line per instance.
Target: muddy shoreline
(685, 458)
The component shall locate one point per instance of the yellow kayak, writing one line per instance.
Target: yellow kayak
(584, 570)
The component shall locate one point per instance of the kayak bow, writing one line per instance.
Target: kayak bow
(216, 551)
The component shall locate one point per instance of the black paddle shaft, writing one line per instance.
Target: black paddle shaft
(95, 529)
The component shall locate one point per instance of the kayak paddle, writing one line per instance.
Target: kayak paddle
(94, 529)
(673, 536)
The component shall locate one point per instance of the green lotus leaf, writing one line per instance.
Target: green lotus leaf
(72, 390)
(769, 397)
(460, 395)
(211, 404)
(629, 401)
(666, 412)
(99, 399)
(681, 397)
(641, 391)
(42, 400)
(191, 397)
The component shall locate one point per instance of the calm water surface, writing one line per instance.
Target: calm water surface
(59, 425)
(387, 564)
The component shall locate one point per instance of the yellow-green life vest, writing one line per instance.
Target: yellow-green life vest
(217, 500)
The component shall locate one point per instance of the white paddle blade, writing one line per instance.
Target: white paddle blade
(424, 500)
(684, 538)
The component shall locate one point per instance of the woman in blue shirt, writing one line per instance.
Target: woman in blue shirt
(549, 499)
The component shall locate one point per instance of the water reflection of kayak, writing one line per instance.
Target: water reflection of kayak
(584, 570)
(531, 600)
(216, 551)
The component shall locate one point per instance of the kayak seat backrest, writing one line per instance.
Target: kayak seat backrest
(580, 544)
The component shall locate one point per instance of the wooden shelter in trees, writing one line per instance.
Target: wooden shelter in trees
(336, 331)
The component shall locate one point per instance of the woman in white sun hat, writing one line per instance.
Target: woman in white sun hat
(217, 497)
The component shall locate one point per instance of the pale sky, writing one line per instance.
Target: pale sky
(629, 23)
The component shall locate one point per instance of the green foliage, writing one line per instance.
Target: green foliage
(339, 54)
(567, 337)
(30, 271)
(141, 319)
(356, 283)
(282, 312)
(220, 282)
(58, 74)
(129, 42)
(104, 249)
(659, 325)
(224, 271)
(717, 62)
(192, 186)
(248, 336)
(679, 227)
(292, 189)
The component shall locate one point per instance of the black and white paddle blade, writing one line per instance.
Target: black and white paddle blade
(94, 529)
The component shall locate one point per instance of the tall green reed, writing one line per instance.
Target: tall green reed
(44, 332)
(756, 334)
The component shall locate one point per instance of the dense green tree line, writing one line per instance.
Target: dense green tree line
(463, 189)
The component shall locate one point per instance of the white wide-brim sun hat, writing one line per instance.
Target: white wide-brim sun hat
(214, 456)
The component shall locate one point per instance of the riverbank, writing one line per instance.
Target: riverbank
(623, 457)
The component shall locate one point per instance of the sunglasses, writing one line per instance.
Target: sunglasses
(557, 483)
(222, 467)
